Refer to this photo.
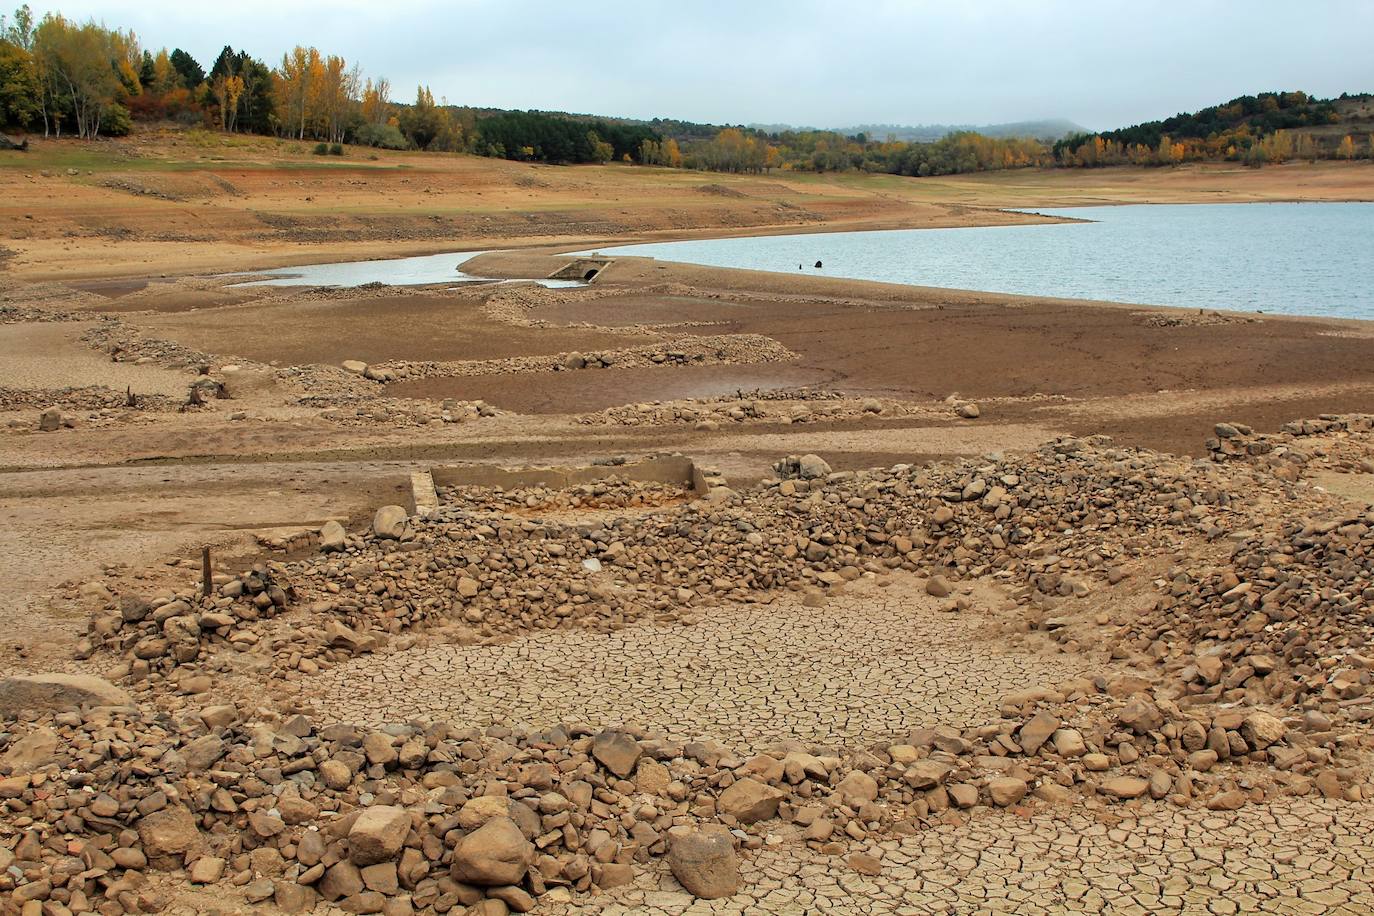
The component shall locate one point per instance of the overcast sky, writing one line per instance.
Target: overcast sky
(827, 63)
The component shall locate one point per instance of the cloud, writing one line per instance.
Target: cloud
(1103, 64)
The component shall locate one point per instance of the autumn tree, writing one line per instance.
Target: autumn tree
(422, 122)
(294, 87)
(19, 89)
(377, 101)
(227, 89)
(602, 152)
(18, 29)
(1346, 149)
(82, 72)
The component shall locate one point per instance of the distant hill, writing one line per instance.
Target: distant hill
(1043, 129)
(1258, 115)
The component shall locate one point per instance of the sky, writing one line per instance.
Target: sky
(824, 63)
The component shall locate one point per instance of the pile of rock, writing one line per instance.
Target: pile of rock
(413, 816)
(1061, 523)
(156, 636)
(704, 350)
(1201, 319)
(795, 408)
(399, 412)
(94, 401)
(1259, 662)
(26, 314)
(611, 493)
(1286, 619)
(126, 344)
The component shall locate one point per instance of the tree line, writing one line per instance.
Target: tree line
(1253, 129)
(65, 78)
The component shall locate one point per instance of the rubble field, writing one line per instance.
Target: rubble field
(1080, 678)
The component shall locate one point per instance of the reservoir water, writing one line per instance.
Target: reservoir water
(1290, 258)
(417, 271)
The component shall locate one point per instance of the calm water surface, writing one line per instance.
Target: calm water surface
(1297, 259)
(424, 270)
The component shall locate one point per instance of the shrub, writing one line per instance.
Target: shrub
(385, 136)
(321, 149)
(336, 149)
(115, 121)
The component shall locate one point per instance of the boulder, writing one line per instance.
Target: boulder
(207, 870)
(704, 862)
(32, 750)
(203, 751)
(1260, 730)
(617, 752)
(494, 854)
(389, 522)
(856, 788)
(1037, 731)
(354, 366)
(332, 536)
(811, 467)
(1141, 716)
(1006, 790)
(378, 834)
(57, 693)
(1068, 742)
(748, 800)
(926, 774)
(170, 836)
(50, 420)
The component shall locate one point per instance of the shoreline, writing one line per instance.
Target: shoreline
(550, 252)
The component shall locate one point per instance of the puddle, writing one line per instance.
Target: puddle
(425, 270)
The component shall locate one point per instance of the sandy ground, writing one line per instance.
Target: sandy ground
(155, 205)
(121, 225)
(53, 356)
(127, 229)
(123, 233)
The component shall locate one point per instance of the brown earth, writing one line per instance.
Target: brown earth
(117, 232)
(121, 224)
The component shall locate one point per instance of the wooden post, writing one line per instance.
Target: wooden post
(205, 584)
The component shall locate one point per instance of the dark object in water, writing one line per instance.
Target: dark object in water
(818, 265)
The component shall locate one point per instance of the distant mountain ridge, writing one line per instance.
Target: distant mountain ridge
(1041, 129)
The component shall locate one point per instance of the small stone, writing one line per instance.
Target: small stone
(206, 870)
(1124, 787)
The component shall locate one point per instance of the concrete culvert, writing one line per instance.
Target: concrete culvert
(589, 275)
